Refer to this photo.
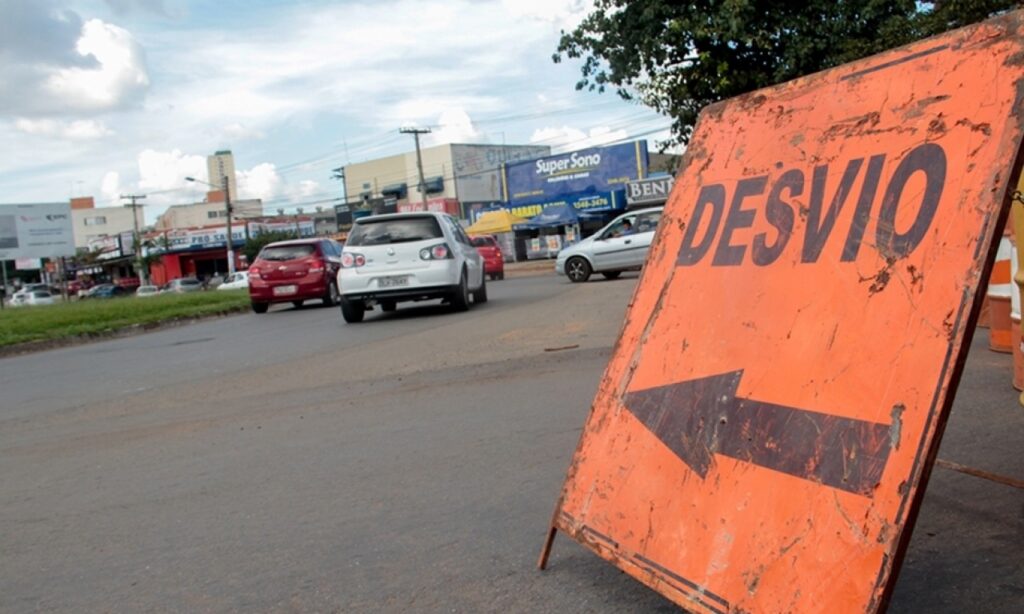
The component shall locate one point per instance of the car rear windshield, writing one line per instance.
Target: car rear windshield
(483, 242)
(287, 252)
(394, 231)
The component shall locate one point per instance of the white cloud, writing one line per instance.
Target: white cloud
(308, 188)
(455, 126)
(77, 130)
(261, 181)
(111, 186)
(120, 76)
(236, 131)
(567, 138)
(166, 171)
(564, 14)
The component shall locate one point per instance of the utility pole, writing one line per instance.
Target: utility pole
(136, 242)
(230, 240)
(339, 173)
(416, 132)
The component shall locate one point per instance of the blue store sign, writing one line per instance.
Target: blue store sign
(589, 171)
(583, 203)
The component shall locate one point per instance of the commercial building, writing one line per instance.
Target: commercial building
(219, 166)
(569, 195)
(208, 212)
(90, 223)
(201, 252)
(470, 174)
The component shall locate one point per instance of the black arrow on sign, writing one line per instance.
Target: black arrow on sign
(699, 418)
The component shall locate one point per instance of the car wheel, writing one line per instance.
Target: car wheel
(612, 274)
(260, 307)
(480, 296)
(501, 275)
(387, 306)
(352, 311)
(577, 269)
(460, 298)
(332, 296)
(298, 304)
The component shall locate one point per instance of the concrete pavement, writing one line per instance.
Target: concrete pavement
(290, 462)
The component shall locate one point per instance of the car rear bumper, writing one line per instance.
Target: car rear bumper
(494, 265)
(438, 276)
(262, 291)
(404, 294)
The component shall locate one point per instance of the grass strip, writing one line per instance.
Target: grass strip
(103, 316)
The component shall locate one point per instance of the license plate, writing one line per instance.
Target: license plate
(285, 290)
(393, 282)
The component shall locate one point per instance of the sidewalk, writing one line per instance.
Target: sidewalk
(530, 268)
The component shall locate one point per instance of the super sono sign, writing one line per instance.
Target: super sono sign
(764, 431)
(599, 169)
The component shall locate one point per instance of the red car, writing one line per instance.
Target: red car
(490, 251)
(294, 272)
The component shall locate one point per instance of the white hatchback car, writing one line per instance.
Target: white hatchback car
(620, 246)
(400, 257)
(235, 281)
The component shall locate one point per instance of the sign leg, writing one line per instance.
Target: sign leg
(545, 552)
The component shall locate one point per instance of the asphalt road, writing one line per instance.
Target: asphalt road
(290, 462)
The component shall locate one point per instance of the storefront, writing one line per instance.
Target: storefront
(202, 252)
(592, 182)
(111, 260)
(650, 192)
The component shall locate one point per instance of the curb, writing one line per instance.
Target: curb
(29, 347)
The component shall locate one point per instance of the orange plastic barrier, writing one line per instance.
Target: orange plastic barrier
(1000, 336)
(761, 437)
(1016, 338)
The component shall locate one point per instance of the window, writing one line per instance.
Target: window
(648, 222)
(99, 220)
(483, 242)
(460, 234)
(211, 214)
(621, 228)
(286, 252)
(394, 231)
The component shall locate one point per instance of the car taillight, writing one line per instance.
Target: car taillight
(316, 266)
(254, 273)
(438, 252)
(350, 260)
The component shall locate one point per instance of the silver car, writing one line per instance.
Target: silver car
(620, 246)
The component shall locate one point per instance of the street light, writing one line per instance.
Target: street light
(227, 204)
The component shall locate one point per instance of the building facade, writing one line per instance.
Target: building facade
(206, 213)
(220, 165)
(468, 173)
(90, 223)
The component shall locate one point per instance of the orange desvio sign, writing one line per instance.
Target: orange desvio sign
(765, 428)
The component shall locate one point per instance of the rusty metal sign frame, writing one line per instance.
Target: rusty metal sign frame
(699, 597)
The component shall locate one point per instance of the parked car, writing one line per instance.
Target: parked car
(235, 281)
(35, 297)
(145, 291)
(30, 288)
(181, 286)
(75, 286)
(294, 272)
(400, 257)
(107, 291)
(490, 251)
(620, 246)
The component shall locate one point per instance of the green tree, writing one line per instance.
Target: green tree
(253, 245)
(677, 57)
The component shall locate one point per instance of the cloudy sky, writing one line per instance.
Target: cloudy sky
(105, 97)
